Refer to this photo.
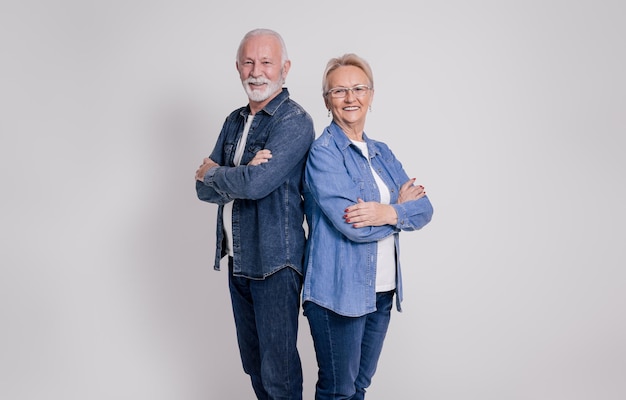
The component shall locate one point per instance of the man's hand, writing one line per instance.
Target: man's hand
(207, 164)
(262, 156)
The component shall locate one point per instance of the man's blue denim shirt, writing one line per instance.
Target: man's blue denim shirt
(340, 260)
(268, 211)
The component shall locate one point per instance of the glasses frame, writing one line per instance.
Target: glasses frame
(340, 89)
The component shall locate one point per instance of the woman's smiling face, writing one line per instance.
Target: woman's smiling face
(350, 110)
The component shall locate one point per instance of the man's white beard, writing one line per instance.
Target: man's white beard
(261, 95)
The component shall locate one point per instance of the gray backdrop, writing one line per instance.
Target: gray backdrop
(510, 113)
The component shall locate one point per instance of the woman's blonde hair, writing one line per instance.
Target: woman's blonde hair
(345, 60)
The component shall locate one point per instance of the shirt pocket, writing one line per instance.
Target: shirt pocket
(360, 187)
(229, 152)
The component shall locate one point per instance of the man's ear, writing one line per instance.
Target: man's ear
(286, 68)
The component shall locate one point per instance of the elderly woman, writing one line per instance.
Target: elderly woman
(357, 200)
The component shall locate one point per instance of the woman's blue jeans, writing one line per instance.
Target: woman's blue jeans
(347, 348)
(266, 318)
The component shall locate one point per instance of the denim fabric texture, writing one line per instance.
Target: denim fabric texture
(266, 317)
(268, 212)
(265, 272)
(347, 348)
(340, 260)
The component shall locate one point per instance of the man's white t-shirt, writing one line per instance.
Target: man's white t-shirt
(228, 207)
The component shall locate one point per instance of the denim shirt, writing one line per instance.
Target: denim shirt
(268, 210)
(340, 260)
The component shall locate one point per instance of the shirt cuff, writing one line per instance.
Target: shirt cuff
(208, 175)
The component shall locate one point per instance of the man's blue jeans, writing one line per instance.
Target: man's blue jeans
(347, 348)
(266, 318)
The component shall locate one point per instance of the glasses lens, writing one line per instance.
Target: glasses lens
(338, 92)
(360, 91)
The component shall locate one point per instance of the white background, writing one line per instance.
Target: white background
(510, 113)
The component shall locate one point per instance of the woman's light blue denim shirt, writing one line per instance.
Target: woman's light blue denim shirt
(340, 260)
(268, 212)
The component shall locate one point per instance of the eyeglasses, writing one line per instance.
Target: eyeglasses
(341, 92)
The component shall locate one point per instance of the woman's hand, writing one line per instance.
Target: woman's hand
(370, 213)
(408, 191)
(262, 156)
